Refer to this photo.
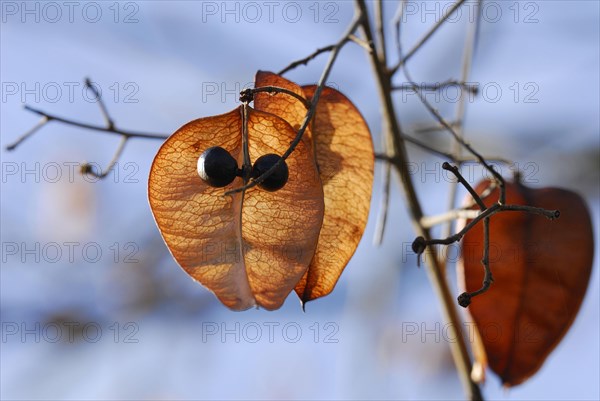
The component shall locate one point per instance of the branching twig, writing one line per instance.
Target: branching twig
(109, 121)
(113, 130)
(400, 157)
(309, 114)
(460, 140)
(306, 59)
(109, 128)
(425, 37)
(247, 95)
(468, 187)
(469, 87)
(87, 168)
(468, 55)
(420, 243)
(362, 43)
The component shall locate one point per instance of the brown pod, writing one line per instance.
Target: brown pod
(251, 248)
(541, 270)
(343, 151)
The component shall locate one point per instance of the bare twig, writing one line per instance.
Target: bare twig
(397, 22)
(45, 119)
(427, 128)
(432, 221)
(306, 59)
(362, 43)
(464, 299)
(247, 95)
(309, 114)
(421, 243)
(421, 145)
(379, 32)
(52, 117)
(468, 187)
(426, 37)
(460, 140)
(468, 54)
(385, 199)
(109, 121)
(400, 157)
(87, 168)
(469, 87)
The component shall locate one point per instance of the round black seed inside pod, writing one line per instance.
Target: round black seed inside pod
(277, 179)
(217, 167)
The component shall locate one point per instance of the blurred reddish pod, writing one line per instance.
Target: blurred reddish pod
(541, 270)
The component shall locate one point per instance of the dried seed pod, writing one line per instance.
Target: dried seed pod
(541, 272)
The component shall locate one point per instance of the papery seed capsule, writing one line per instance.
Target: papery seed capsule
(277, 179)
(217, 167)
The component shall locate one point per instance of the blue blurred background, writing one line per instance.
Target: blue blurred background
(94, 307)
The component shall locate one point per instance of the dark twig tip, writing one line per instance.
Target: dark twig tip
(464, 299)
(246, 96)
(419, 245)
(87, 168)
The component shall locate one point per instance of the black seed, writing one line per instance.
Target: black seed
(277, 179)
(217, 167)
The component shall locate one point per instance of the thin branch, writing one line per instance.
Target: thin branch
(464, 299)
(469, 87)
(437, 152)
(306, 59)
(109, 121)
(460, 140)
(468, 54)
(379, 32)
(247, 95)
(310, 113)
(385, 199)
(87, 168)
(468, 187)
(426, 37)
(421, 145)
(362, 43)
(392, 130)
(421, 243)
(397, 24)
(45, 119)
(52, 117)
(246, 163)
(432, 221)
(427, 128)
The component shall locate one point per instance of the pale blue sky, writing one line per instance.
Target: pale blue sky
(180, 60)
